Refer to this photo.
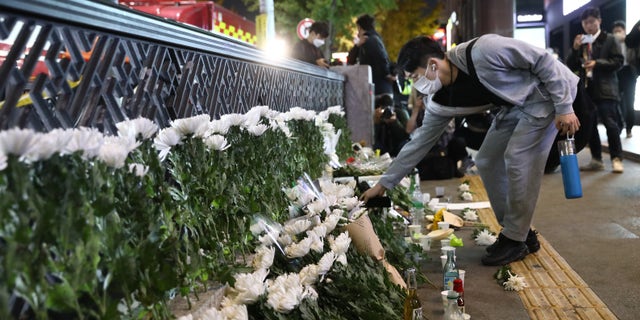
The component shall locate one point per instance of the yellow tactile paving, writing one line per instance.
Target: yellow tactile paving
(555, 290)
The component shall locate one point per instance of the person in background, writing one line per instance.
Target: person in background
(627, 76)
(389, 132)
(371, 51)
(308, 50)
(632, 40)
(535, 92)
(596, 57)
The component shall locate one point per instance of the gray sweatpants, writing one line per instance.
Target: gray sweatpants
(511, 164)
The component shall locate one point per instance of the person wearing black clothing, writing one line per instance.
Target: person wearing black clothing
(371, 51)
(389, 132)
(627, 76)
(596, 57)
(632, 40)
(308, 50)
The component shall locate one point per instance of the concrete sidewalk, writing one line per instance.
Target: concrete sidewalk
(588, 267)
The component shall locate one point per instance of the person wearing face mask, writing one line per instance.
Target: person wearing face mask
(627, 76)
(308, 50)
(534, 92)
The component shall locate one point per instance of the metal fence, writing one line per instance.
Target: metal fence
(71, 63)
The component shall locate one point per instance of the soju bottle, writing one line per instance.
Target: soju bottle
(450, 271)
(412, 305)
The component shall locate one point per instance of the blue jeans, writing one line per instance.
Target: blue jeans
(610, 118)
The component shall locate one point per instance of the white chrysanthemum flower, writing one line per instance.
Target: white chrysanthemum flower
(17, 141)
(138, 169)
(299, 249)
(213, 314)
(326, 262)
(250, 286)
(217, 142)
(304, 198)
(297, 113)
(466, 196)
(340, 244)
(258, 129)
(331, 221)
(186, 317)
(263, 258)
(266, 240)
(252, 117)
(320, 231)
(281, 125)
(166, 139)
(3, 161)
(470, 215)
(285, 240)
(349, 203)
(140, 126)
(87, 140)
(463, 187)
(236, 312)
(218, 127)
(322, 204)
(515, 282)
(485, 238)
(310, 293)
(233, 119)
(322, 116)
(46, 145)
(297, 226)
(309, 274)
(196, 125)
(285, 292)
(315, 220)
(114, 151)
(336, 110)
(342, 259)
(257, 228)
(317, 244)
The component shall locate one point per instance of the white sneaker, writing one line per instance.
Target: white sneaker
(617, 165)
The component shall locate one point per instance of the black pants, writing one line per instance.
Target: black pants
(627, 85)
(608, 115)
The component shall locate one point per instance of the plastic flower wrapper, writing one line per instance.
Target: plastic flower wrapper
(485, 238)
(268, 230)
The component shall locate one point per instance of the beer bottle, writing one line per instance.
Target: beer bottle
(412, 306)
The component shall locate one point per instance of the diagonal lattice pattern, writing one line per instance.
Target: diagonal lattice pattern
(58, 75)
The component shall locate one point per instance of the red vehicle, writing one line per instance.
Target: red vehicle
(202, 14)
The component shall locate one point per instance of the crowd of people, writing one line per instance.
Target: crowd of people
(530, 96)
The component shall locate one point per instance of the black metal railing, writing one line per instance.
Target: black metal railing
(70, 63)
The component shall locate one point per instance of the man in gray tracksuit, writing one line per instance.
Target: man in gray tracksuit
(535, 92)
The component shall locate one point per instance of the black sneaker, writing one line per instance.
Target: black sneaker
(505, 251)
(532, 242)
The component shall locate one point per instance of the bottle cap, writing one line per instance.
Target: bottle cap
(457, 285)
(452, 295)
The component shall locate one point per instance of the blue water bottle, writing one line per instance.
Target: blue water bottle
(569, 167)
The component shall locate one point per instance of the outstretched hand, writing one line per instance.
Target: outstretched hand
(375, 191)
(567, 123)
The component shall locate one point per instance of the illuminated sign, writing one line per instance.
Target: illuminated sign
(529, 18)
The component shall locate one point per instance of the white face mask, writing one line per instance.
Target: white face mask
(426, 86)
(619, 36)
(318, 42)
